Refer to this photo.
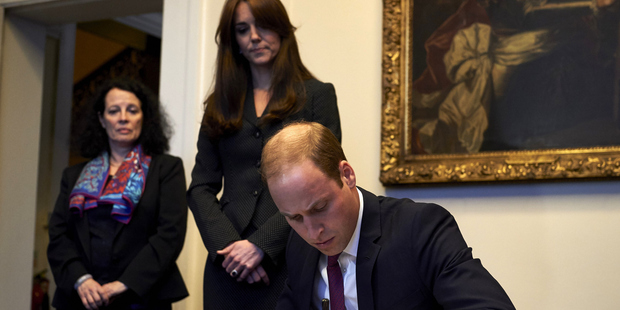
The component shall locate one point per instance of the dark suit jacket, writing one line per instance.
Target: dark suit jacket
(410, 256)
(144, 251)
(246, 210)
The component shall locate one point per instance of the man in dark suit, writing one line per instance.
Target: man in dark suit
(352, 249)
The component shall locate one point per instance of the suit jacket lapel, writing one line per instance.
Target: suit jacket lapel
(249, 111)
(368, 250)
(117, 229)
(83, 231)
(81, 222)
(311, 262)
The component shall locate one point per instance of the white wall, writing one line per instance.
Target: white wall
(340, 42)
(181, 91)
(20, 124)
(551, 245)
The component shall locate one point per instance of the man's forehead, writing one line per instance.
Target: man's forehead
(290, 171)
(299, 188)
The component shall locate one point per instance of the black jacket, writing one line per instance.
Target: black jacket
(410, 256)
(144, 251)
(246, 210)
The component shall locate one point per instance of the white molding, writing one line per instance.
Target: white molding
(181, 91)
(21, 94)
(13, 3)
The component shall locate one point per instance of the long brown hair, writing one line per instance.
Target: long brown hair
(224, 107)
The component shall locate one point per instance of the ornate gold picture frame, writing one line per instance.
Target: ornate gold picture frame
(402, 159)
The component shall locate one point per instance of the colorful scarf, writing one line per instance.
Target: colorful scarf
(123, 191)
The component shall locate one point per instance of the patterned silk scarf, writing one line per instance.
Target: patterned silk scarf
(123, 191)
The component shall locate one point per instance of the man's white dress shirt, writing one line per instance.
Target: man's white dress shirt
(347, 261)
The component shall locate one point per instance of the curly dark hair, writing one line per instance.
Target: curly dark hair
(155, 133)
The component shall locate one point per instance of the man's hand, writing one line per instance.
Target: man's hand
(244, 257)
(92, 295)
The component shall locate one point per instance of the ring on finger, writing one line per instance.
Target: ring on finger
(234, 273)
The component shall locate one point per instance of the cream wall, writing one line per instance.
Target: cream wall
(551, 245)
(182, 87)
(20, 124)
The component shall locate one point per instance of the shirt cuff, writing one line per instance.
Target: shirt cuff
(81, 280)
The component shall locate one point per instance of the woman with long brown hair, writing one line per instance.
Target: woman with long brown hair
(260, 84)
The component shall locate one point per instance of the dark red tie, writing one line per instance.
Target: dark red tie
(336, 285)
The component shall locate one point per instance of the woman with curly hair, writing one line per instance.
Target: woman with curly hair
(260, 84)
(119, 221)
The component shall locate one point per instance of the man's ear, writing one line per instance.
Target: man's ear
(347, 174)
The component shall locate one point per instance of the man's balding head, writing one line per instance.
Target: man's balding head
(313, 185)
(299, 141)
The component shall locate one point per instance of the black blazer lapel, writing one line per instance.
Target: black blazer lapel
(83, 231)
(81, 222)
(310, 265)
(368, 250)
(249, 110)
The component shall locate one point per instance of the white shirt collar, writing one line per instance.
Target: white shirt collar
(351, 248)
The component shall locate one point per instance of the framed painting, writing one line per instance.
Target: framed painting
(500, 90)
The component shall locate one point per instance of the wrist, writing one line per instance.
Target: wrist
(81, 280)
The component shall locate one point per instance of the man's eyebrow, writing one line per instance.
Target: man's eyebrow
(317, 202)
(310, 207)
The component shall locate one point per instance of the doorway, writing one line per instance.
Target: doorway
(185, 77)
(38, 41)
(103, 49)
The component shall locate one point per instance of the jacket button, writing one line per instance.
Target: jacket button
(257, 134)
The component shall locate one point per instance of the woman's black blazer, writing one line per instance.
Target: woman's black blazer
(246, 210)
(144, 251)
